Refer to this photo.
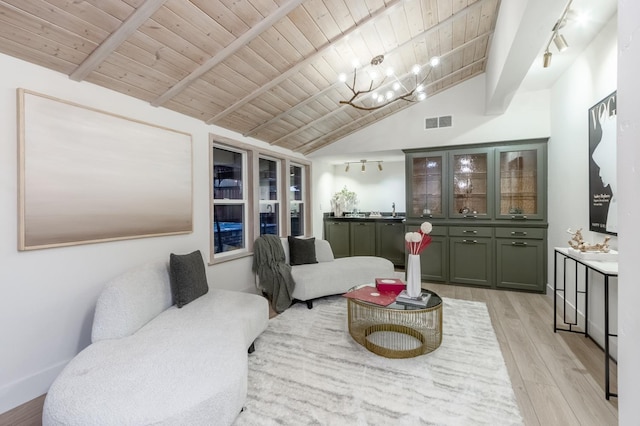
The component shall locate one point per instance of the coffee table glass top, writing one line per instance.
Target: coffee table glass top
(433, 301)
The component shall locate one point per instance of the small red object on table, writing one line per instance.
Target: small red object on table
(393, 285)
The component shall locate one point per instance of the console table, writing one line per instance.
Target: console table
(604, 268)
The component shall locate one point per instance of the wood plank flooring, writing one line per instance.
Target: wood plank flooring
(558, 378)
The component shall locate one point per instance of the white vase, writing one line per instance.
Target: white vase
(414, 282)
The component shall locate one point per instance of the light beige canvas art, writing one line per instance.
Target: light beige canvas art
(87, 176)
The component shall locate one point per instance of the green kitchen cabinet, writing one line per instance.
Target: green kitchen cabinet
(471, 256)
(363, 238)
(520, 177)
(390, 241)
(338, 235)
(426, 197)
(520, 259)
(480, 194)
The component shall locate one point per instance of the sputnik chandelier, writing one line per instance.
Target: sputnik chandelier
(386, 87)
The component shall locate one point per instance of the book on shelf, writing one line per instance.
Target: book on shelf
(393, 285)
(421, 301)
(371, 294)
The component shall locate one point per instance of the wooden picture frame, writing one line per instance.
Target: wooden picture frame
(89, 176)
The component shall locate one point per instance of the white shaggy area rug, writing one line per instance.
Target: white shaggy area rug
(307, 370)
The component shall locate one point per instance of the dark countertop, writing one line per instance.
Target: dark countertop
(365, 219)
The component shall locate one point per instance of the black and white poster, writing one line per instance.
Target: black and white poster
(603, 207)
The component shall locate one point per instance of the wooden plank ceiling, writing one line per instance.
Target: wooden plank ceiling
(263, 68)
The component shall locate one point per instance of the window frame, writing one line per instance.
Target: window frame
(244, 201)
(279, 186)
(251, 193)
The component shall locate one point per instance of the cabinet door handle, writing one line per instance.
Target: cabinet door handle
(361, 224)
(520, 217)
(466, 231)
(518, 243)
(470, 216)
(470, 241)
(523, 233)
(389, 224)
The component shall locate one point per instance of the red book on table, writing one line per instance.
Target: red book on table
(371, 294)
(394, 285)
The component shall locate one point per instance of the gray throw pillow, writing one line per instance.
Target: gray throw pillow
(302, 251)
(188, 277)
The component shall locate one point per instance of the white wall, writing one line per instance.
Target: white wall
(629, 206)
(527, 117)
(376, 190)
(591, 78)
(48, 296)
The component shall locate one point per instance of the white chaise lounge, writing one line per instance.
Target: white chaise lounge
(151, 363)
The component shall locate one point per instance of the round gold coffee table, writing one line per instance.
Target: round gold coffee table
(396, 330)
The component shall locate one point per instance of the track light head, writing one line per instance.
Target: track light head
(363, 168)
(560, 42)
(346, 169)
(546, 59)
(380, 165)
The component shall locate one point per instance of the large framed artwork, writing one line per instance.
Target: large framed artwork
(87, 176)
(603, 206)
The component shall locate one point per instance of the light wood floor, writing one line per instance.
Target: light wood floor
(558, 378)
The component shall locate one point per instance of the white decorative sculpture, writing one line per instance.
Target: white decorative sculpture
(577, 242)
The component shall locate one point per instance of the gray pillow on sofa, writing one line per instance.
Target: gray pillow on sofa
(188, 277)
(302, 251)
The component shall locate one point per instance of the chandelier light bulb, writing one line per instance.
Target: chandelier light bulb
(416, 69)
(342, 77)
(396, 86)
(389, 72)
(374, 95)
(373, 74)
(422, 96)
(355, 63)
(419, 88)
(389, 95)
(434, 61)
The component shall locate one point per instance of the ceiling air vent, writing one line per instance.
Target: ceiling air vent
(435, 122)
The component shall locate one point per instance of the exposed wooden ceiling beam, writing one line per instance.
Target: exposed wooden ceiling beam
(295, 68)
(232, 48)
(340, 108)
(424, 34)
(128, 27)
(341, 128)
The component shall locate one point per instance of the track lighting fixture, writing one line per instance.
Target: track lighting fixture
(557, 38)
(363, 164)
(560, 42)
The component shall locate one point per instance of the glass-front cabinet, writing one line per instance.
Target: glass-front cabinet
(470, 183)
(426, 196)
(488, 205)
(520, 182)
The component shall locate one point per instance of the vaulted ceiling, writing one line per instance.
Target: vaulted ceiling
(263, 68)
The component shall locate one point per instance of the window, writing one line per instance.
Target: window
(251, 196)
(296, 199)
(269, 196)
(229, 200)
